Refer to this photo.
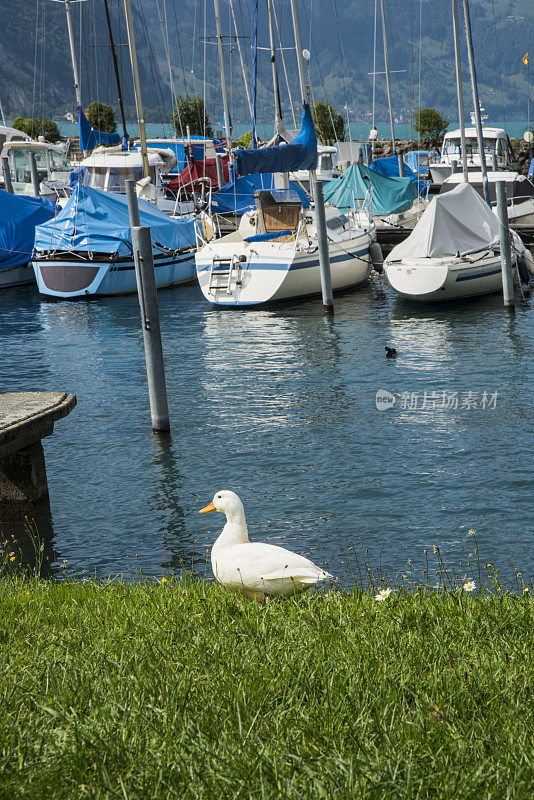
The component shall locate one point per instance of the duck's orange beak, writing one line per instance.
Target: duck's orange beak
(205, 510)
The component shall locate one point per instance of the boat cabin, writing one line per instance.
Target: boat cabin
(197, 147)
(108, 170)
(53, 167)
(496, 143)
(8, 134)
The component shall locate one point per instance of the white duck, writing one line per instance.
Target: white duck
(256, 569)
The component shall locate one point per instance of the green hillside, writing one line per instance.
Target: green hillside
(37, 80)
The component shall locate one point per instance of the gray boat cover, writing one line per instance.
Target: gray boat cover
(458, 222)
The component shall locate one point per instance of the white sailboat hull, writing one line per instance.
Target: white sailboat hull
(437, 279)
(271, 271)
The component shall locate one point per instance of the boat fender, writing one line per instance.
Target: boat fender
(377, 257)
(522, 269)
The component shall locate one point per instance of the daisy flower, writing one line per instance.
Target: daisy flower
(383, 594)
(469, 586)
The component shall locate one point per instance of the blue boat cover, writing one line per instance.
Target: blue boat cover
(98, 222)
(301, 153)
(414, 159)
(390, 168)
(390, 195)
(237, 197)
(531, 168)
(18, 217)
(184, 151)
(90, 137)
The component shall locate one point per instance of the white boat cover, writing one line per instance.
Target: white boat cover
(458, 222)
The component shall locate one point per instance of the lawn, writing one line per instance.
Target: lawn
(182, 689)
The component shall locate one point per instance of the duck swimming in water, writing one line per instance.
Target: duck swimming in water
(390, 352)
(255, 569)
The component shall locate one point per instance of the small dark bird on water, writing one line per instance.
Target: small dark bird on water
(391, 352)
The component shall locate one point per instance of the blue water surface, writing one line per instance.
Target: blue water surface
(279, 405)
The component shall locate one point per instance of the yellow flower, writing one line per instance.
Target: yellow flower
(12, 558)
(471, 533)
(163, 580)
(27, 593)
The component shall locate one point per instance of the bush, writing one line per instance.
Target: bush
(190, 111)
(329, 125)
(101, 117)
(430, 125)
(35, 126)
(244, 141)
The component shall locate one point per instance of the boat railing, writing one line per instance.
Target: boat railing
(186, 188)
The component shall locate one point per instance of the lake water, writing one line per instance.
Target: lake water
(280, 405)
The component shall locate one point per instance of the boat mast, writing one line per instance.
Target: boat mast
(459, 91)
(284, 65)
(474, 87)
(77, 90)
(304, 89)
(276, 87)
(137, 86)
(241, 59)
(386, 67)
(116, 68)
(223, 79)
(2, 113)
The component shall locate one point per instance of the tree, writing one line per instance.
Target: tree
(190, 111)
(329, 125)
(430, 126)
(243, 141)
(101, 117)
(35, 126)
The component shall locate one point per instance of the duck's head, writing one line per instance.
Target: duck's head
(226, 502)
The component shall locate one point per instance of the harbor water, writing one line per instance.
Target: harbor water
(280, 405)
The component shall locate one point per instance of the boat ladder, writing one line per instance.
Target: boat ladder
(223, 271)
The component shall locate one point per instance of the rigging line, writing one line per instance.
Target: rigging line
(284, 65)
(80, 48)
(344, 62)
(313, 47)
(179, 46)
(154, 74)
(43, 54)
(374, 72)
(439, 71)
(498, 60)
(165, 38)
(96, 51)
(194, 40)
(203, 118)
(35, 57)
(420, 57)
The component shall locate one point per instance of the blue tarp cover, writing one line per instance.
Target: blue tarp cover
(390, 168)
(18, 217)
(89, 137)
(390, 195)
(237, 197)
(301, 153)
(531, 169)
(183, 151)
(95, 221)
(414, 160)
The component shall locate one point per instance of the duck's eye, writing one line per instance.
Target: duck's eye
(219, 497)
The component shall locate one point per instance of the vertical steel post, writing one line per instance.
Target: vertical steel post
(401, 166)
(476, 103)
(459, 89)
(220, 173)
(494, 165)
(8, 186)
(324, 258)
(137, 85)
(386, 67)
(35, 176)
(223, 79)
(148, 305)
(506, 254)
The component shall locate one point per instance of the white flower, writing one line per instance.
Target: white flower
(469, 586)
(383, 594)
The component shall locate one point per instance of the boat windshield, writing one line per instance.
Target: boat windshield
(21, 164)
(59, 161)
(111, 179)
(326, 161)
(452, 147)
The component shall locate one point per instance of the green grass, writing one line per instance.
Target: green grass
(181, 689)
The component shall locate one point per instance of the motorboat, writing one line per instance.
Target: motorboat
(453, 251)
(19, 216)
(185, 149)
(107, 169)
(326, 167)
(496, 143)
(274, 253)
(53, 167)
(86, 250)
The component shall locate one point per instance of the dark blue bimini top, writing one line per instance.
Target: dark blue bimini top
(19, 215)
(98, 222)
(237, 197)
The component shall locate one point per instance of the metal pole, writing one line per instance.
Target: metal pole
(116, 69)
(506, 254)
(77, 90)
(223, 78)
(8, 186)
(241, 60)
(386, 67)
(494, 165)
(459, 88)
(35, 176)
(284, 66)
(304, 90)
(137, 85)
(474, 87)
(324, 258)
(148, 305)
(401, 166)
(276, 87)
(454, 165)
(220, 173)
(2, 113)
